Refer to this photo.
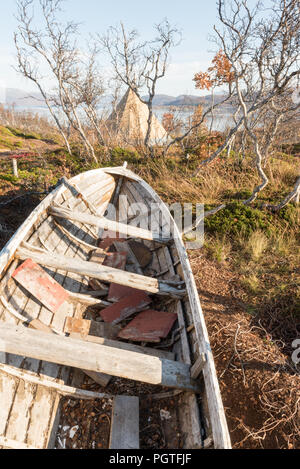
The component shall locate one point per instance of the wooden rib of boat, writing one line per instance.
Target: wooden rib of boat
(37, 368)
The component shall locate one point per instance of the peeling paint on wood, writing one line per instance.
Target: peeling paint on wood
(125, 308)
(149, 326)
(41, 285)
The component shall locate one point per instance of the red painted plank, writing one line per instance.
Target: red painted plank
(125, 308)
(149, 326)
(109, 237)
(118, 292)
(43, 287)
(116, 260)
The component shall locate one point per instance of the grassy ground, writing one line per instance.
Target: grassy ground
(247, 272)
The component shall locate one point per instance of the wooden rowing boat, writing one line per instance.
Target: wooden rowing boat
(37, 363)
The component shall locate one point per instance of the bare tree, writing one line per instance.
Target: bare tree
(24, 40)
(90, 89)
(140, 65)
(263, 50)
(56, 46)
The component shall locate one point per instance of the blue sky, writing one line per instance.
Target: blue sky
(194, 17)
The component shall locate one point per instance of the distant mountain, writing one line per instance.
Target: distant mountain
(20, 98)
(33, 100)
(184, 100)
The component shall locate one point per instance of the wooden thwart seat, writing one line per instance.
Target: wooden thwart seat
(106, 224)
(81, 354)
(124, 433)
(96, 271)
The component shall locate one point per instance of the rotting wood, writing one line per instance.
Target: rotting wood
(100, 272)
(121, 247)
(93, 357)
(85, 327)
(201, 343)
(106, 224)
(142, 253)
(62, 389)
(198, 366)
(124, 433)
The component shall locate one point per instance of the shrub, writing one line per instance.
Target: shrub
(290, 214)
(237, 218)
(119, 155)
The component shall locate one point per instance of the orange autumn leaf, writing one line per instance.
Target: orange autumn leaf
(218, 74)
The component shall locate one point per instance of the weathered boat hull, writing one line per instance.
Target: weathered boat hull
(29, 411)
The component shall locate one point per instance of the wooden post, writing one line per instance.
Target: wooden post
(15, 167)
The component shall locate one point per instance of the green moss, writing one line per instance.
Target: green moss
(9, 177)
(5, 131)
(21, 134)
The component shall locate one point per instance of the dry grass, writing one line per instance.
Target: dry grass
(256, 245)
(218, 248)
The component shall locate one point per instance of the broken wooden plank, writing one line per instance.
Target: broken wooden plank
(103, 379)
(119, 292)
(97, 286)
(124, 433)
(116, 260)
(109, 238)
(100, 272)
(106, 224)
(93, 357)
(125, 308)
(52, 383)
(43, 287)
(85, 327)
(142, 253)
(149, 326)
(119, 187)
(132, 263)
